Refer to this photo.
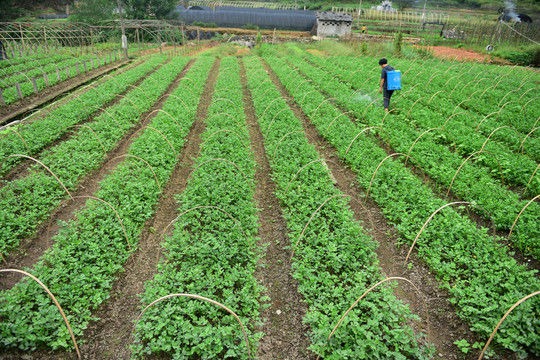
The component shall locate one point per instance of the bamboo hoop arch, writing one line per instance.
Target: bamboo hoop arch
(504, 97)
(380, 164)
(291, 82)
(522, 95)
(284, 136)
(367, 107)
(156, 130)
(500, 127)
(81, 100)
(454, 89)
(132, 103)
(534, 172)
(208, 207)
(40, 163)
(453, 77)
(502, 319)
(188, 89)
(502, 107)
(268, 106)
(273, 88)
(343, 113)
(486, 90)
(261, 84)
(199, 298)
(521, 212)
(481, 121)
(300, 170)
(223, 89)
(536, 122)
(24, 142)
(232, 117)
(317, 109)
(55, 303)
(93, 132)
(451, 116)
(527, 103)
(146, 162)
(141, 90)
(439, 209)
(459, 105)
(275, 116)
(306, 94)
(166, 113)
(223, 99)
(438, 92)
(222, 130)
(387, 113)
(409, 113)
(228, 161)
(425, 132)
(289, 74)
(407, 92)
(350, 97)
(303, 82)
(168, 95)
(193, 82)
(470, 156)
(335, 76)
(108, 113)
(368, 291)
(521, 146)
(360, 133)
(93, 88)
(309, 221)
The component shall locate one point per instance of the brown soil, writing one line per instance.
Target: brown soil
(445, 326)
(462, 54)
(285, 334)
(32, 249)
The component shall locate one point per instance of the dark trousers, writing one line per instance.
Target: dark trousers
(387, 94)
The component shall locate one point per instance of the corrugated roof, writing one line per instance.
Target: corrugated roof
(333, 16)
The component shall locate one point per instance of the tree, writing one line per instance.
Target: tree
(93, 11)
(402, 4)
(149, 9)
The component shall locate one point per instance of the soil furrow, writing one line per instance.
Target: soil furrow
(22, 168)
(110, 336)
(285, 334)
(32, 249)
(446, 326)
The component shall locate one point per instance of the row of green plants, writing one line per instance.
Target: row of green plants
(473, 183)
(27, 88)
(211, 251)
(334, 260)
(90, 251)
(459, 128)
(482, 279)
(31, 63)
(46, 127)
(50, 69)
(26, 202)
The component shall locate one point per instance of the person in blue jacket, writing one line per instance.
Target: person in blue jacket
(387, 94)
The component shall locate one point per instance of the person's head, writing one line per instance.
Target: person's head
(383, 62)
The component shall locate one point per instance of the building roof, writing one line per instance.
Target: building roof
(333, 16)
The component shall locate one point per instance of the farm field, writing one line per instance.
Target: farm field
(265, 206)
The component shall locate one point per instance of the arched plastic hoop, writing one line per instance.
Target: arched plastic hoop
(521, 212)
(204, 299)
(439, 209)
(380, 164)
(311, 218)
(146, 162)
(463, 163)
(223, 130)
(227, 161)
(209, 207)
(425, 132)
(40, 163)
(55, 303)
(369, 290)
(502, 319)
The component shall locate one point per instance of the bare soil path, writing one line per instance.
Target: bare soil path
(446, 327)
(285, 334)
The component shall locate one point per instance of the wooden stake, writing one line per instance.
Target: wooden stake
(18, 87)
(34, 84)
